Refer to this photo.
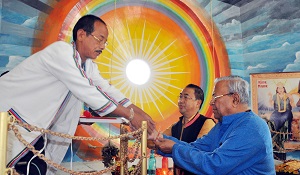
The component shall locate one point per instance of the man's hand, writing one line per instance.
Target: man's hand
(155, 135)
(136, 123)
(151, 138)
(165, 145)
(139, 116)
(135, 115)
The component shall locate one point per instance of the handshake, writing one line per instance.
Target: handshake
(156, 142)
(155, 135)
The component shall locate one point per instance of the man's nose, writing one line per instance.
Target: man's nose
(212, 102)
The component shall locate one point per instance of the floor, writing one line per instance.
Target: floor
(98, 165)
(83, 166)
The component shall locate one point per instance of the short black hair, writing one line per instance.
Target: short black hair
(87, 24)
(299, 87)
(4, 73)
(199, 94)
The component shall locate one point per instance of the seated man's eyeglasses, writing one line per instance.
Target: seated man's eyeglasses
(219, 96)
(185, 97)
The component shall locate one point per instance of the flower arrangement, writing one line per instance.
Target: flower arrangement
(110, 156)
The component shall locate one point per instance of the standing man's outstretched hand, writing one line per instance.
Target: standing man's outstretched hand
(139, 116)
(135, 115)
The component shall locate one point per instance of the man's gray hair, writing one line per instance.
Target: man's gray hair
(237, 85)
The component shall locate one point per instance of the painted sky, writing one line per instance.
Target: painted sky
(258, 35)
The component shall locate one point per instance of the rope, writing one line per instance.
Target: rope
(136, 144)
(136, 134)
(44, 131)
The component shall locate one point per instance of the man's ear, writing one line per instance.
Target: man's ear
(81, 34)
(199, 102)
(236, 98)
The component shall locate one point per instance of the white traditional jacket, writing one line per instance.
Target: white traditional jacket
(48, 90)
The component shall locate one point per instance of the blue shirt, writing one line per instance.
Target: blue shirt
(239, 145)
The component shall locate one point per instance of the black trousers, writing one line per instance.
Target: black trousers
(37, 165)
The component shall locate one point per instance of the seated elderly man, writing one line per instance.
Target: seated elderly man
(240, 143)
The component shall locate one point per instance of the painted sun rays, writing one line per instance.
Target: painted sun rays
(139, 46)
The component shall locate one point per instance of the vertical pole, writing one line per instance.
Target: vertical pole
(122, 148)
(144, 148)
(4, 119)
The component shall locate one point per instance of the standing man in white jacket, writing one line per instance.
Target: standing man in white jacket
(49, 88)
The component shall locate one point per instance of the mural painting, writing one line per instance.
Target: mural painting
(181, 42)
